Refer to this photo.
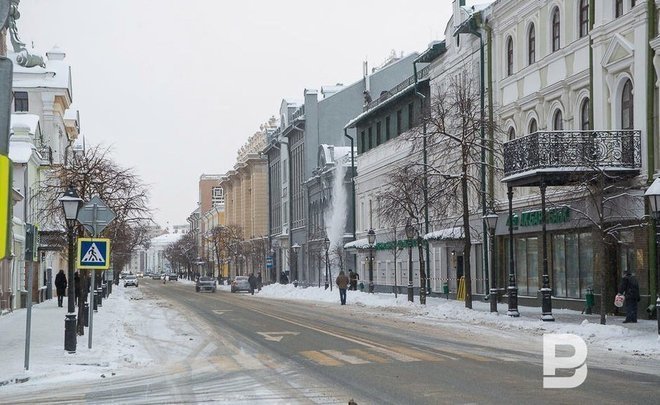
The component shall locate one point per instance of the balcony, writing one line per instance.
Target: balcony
(564, 157)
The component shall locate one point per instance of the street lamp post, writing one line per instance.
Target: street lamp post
(371, 237)
(326, 245)
(491, 222)
(71, 204)
(295, 248)
(512, 289)
(653, 195)
(410, 235)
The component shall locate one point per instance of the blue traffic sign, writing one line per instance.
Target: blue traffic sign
(93, 253)
(269, 262)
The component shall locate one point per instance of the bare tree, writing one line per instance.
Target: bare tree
(402, 200)
(454, 145)
(182, 253)
(226, 241)
(94, 173)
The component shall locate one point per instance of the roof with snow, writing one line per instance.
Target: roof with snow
(454, 233)
(165, 239)
(56, 74)
(20, 152)
(26, 122)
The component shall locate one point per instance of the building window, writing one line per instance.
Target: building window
(363, 142)
(531, 45)
(509, 56)
(627, 106)
(584, 18)
(632, 3)
(557, 121)
(526, 251)
(217, 196)
(512, 134)
(371, 138)
(533, 127)
(387, 128)
(20, 101)
(618, 8)
(399, 127)
(584, 114)
(555, 30)
(378, 137)
(411, 115)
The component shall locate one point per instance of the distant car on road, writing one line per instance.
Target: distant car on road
(155, 276)
(240, 283)
(206, 284)
(130, 279)
(174, 277)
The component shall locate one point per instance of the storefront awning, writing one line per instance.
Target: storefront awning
(455, 233)
(357, 244)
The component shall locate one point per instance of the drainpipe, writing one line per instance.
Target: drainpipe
(270, 215)
(592, 15)
(650, 132)
(494, 274)
(422, 99)
(353, 191)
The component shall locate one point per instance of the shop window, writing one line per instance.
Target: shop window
(527, 265)
(572, 265)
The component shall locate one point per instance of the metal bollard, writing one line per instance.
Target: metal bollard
(445, 289)
(85, 315)
(96, 301)
(589, 301)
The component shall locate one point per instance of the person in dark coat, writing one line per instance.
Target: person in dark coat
(354, 279)
(60, 285)
(259, 281)
(284, 279)
(630, 289)
(252, 280)
(342, 283)
(76, 287)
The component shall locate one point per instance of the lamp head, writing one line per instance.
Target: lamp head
(410, 231)
(71, 204)
(371, 236)
(491, 220)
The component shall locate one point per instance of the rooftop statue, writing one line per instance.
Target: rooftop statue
(23, 56)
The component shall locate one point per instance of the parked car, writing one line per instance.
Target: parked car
(130, 279)
(240, 283)
(155, 276)
(174, 277)
(206, 284)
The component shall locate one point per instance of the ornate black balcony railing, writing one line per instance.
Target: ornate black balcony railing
(577, 150)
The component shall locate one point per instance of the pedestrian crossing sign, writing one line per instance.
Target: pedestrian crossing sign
(93, 253)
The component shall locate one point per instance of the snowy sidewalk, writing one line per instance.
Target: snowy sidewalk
(123, 327)
(637, 339)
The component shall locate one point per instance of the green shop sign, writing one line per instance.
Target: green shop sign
(556, 215)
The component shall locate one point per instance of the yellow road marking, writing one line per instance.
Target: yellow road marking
(418, 354)
(471, 356)
(395, 355)
(366, 355)
(320, 358)
(345, 357)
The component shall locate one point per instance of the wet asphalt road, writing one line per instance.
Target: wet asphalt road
(257, 350)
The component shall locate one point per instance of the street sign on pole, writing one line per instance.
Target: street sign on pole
(93, 253)
(269, 262)
(95, 216)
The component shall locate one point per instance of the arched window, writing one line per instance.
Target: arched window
(584, 115)
(531, 45)
(584, 18)
(509, 56)
(555, 29)
(627, 106)
(512, 134)
(557, 121)
(533, 127)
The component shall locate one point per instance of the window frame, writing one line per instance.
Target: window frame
(509, 56)
(558, 120)
(585, 108)
(531, 44)
(627, 105)
(618, 8)
(583, 14)
(21, 101)
(533, 124)
(555, 29)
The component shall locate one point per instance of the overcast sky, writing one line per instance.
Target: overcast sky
(176, 87)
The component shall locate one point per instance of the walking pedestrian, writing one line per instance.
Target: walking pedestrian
(630, 289)
(259, 281)
(252, 280)
(342, 283)
(60, 285)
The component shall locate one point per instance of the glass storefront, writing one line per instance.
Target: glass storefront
(572, 264)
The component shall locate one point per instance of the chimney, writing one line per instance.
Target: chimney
(458, 14)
